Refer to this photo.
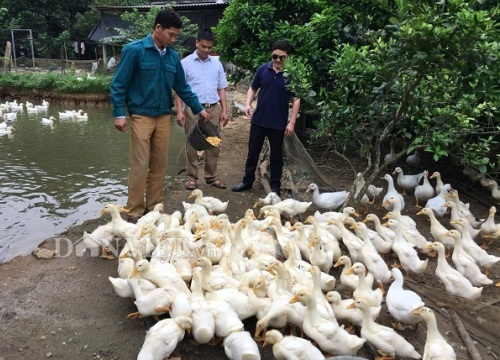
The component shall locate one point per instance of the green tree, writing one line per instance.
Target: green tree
(424, 72)
(142, 24)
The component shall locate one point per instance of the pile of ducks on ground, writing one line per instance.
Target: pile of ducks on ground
(209, 274)
(10, 109)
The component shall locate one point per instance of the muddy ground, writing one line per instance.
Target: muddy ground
(65, 307)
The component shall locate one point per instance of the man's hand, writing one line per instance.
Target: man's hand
(224, 118)
(181, 119)
(121, 124)
(289, 129)
(204, 115)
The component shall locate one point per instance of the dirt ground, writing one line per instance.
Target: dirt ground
(65, 307)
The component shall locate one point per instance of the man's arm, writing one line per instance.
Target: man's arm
(223, 102)
(293, 117)
(250, 97)
(180, 117)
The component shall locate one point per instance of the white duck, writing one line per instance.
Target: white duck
(239, 345)
(155, 302)
(489, 226)
(353, 243)
(214, 280)
(391, 156)
(463, 208)
(391, 190)
(407, 255)
(410, 233)
(383, 231)
(438, 231)
(364, 290)
(291, 347)
(473, 249)
(436, 347)
(465, 264)
(270, 199)
(203, 328)
(100, 238)
(329, 236)
(319, 256)
(341, 308)
(48, 121)
(407, 182)
(379, 242)
(288, 207)
(413, 160)
(495, 189)
(439, 181)
(382, 337)
(454, 282)
(212, 204)
(424, 191)
(119, 224)
(162, 338)
(327, 334)
(162, 276)
(436, 203)
(7, 131)
(347, 278)
(372, 259)
(401, 302)
(327, 200)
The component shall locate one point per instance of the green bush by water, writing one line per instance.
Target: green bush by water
(65, 83)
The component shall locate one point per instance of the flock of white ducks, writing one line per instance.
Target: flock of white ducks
(9, 111)
(210, 274)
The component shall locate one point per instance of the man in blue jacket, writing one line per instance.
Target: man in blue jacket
(142, 85)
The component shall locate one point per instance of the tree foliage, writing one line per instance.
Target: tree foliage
(423, 72)
(51, 21)
(142, 24)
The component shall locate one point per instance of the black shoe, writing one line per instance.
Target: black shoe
(277, 191)
(241, 187)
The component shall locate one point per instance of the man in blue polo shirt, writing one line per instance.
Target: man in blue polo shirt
(270, 118)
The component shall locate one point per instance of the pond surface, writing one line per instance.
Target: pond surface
(55, 176)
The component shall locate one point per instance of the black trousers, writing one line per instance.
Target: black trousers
(255, 142)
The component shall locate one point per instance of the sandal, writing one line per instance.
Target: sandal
(217, 183)
(190, 184)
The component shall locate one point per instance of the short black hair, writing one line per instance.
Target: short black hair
(282, 44)
(206, 34)
(168, 18)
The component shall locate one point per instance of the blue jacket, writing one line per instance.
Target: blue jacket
(144, 80)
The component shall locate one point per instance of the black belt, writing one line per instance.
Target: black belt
(210, 105)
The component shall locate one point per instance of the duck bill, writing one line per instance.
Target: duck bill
(294, 299)
(416, 311)
(351, 306)
(349, 271)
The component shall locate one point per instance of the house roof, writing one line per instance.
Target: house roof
(179, 5)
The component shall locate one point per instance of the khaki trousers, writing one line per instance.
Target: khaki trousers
(149, 141)
(211, 155)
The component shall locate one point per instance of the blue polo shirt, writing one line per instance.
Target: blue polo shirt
(144, 79)
(273, 98)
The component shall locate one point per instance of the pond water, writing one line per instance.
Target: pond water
(55, 176)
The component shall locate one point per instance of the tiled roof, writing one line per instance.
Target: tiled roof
(179, 4)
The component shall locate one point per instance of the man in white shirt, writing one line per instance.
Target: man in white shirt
(207, 78)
